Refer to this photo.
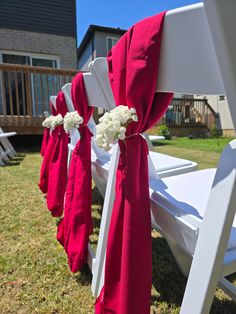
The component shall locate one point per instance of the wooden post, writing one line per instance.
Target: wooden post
(3, 95)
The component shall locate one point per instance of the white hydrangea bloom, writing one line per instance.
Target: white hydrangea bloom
(47, 123)
(72, 120)
(112, 126)
(56, 120)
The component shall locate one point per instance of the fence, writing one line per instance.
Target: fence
(25, 92)
(190, 112)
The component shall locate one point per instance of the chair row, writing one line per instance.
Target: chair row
(193, 210)
(179, 198)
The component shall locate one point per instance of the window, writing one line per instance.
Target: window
(39, 82)
(111, 41)
(222, 97)
(44, 63)
(30, 59)
(15, 59)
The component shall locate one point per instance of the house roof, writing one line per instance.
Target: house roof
(90, 32)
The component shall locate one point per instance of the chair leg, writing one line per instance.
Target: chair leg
(105, 223)
(3, 154)
(6, 147)
(211, 246)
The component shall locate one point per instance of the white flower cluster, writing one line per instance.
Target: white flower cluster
(72, 120)
(56, 120)
(47, 122)
(112, 126)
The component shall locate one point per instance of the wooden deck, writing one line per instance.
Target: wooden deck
(190, 113)
(25, 92)
(24, 95)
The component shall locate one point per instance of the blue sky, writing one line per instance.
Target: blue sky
(120, 13)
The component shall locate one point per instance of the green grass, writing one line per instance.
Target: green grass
(205, 152)
(209, 144)
(34, 276)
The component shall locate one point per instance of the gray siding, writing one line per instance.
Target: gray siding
(63, 47)
(86, 57)
(101, 42)
(43, 16)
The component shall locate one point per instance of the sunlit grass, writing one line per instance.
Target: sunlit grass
(34, 274)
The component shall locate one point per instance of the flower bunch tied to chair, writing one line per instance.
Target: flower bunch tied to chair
(53, 121)
(70, 121)
(112, 126)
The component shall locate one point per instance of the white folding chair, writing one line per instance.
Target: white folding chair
(53, 100)
(100, 95)
(7, 151)
(95, 99)
(195, 59)
(195, 211)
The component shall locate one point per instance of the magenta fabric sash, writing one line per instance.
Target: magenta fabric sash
(44, 171)
(133, 69)
(75, 228)
(46, 136)
(57, 178)
(46, 133)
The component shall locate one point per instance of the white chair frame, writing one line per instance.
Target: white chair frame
(7, 151)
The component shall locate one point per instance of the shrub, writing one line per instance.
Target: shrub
(164, 131)
(215, 132)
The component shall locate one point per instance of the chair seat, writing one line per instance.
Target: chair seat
(186, 195)
(156, 137)
(163, 163)
(8, 134)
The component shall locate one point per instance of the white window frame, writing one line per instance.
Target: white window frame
(222, 97)
(31, 56)
(112, 38)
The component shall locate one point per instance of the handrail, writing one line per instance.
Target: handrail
(7, 67)
(25, 90)
(190, 112)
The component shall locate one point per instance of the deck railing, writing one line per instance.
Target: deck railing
(25, 92)
(190, 112)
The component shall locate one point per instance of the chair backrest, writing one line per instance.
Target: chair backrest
(222, 23)
(188, 62)
(92, 94)
(99, 69)
(96, 98)
(53, 100)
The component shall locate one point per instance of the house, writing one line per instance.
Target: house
(185, 114)
(220, 105)
(38, 41)
(97, 41)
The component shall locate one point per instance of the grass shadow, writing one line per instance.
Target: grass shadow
(96, 222)
(223, 306)
(84, 277)
(15, 161)
(159, 143)
(170, 283)
(168, 280)
(96, 197)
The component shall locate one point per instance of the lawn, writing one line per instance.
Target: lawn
(34, 273)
